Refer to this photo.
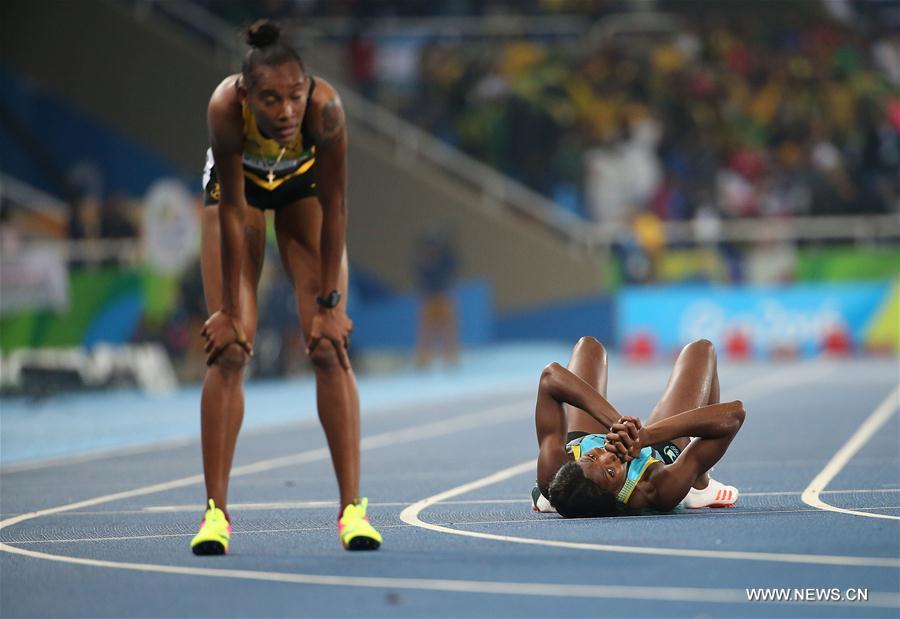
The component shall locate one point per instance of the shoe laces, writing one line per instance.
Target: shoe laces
(354, 511)
(213, 513)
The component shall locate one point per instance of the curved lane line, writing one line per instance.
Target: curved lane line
(510, 588)
(446, 426)
(812, 494)
(410, 515)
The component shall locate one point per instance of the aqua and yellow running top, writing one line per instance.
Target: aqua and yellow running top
(636, 468)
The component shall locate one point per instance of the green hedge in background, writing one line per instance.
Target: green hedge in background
(90, 291)
(842, 264)
(818, 264)
(160, 295)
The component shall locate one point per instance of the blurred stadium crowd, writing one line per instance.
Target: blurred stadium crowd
(768, 108)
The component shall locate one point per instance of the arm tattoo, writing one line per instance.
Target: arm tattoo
(332, 121)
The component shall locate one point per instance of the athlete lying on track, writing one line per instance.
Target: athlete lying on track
(592, 461)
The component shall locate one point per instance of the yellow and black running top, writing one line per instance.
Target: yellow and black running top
(267, 163)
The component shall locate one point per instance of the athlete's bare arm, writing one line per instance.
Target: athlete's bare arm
(326, 125)
(559, 386)
(226, 139)
(714, 427)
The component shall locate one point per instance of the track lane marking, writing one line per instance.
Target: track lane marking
(384, 439)
(628, 386)
(529, 521)
(812, 495)
(329, 503)
(322, 503)
(670, 594)
(410, 515)
(539, 589)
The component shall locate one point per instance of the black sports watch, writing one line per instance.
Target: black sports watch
(330, 300)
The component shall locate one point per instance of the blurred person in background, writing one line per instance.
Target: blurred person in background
(436, 268)
(278, 142)
(279, 347)
(182, 326)
(85, 220)
(772, 109)
(118, 219)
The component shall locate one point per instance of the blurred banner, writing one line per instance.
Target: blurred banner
(34, 278)
(171, 228)
(763, 320)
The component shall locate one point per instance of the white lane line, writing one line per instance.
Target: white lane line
(492, 415)
(505, 521)
(97, 454)
(461, 402)
(391, 437)
(541, 589)
(848, 491)
(327, 503)
(809, 372)
(235, 507)
(410, 515)
(812, 494)
(669, 594)
(116, 538)
(530, 521)
(635, 384)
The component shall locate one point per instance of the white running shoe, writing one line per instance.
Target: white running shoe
(539, 502)
(716, 494)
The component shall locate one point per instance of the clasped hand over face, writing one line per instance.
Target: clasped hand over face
(624, 440)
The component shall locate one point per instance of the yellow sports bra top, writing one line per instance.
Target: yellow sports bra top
(269, 164)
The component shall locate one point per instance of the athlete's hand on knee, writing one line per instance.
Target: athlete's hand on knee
(335, 326)
(221, 330)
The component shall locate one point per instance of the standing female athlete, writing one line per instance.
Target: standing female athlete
(278, 142)
(594, 462)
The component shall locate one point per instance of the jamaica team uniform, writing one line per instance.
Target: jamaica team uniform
(273, 175)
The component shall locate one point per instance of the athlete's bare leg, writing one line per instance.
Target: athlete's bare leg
(222, 402)
(694, 383)
(588, 362)
(297, 227)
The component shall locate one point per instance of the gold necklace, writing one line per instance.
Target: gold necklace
(271, 174)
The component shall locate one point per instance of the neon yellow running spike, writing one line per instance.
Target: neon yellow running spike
(354, 528)
(214, 534)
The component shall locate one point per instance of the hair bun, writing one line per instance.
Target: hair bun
(262, 33)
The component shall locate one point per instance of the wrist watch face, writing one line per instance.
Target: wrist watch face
(330, 300)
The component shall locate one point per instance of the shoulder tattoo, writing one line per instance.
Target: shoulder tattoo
(331, 121)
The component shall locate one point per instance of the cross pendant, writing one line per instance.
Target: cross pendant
(271, 176)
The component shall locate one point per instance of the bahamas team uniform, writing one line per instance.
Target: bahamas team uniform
(580, 442)
(273, 175)
(636, 468)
